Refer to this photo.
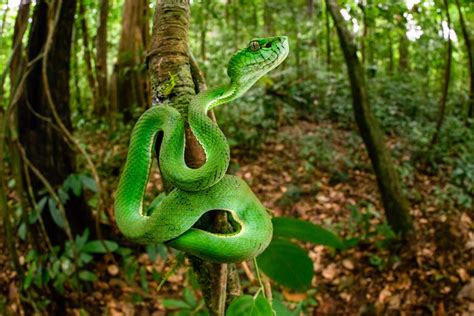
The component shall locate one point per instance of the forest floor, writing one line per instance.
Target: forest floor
(319, 173)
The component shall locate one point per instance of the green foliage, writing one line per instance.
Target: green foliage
(188, 305)
(286, 227)
(287, 263)
(248, 305)
(65, 266)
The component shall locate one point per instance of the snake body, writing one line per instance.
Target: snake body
(197, 191)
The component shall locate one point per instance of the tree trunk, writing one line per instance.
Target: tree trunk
(130, 73)
(328, 39)
(87, 54)
(101, 60)
(44, 145)
(395, 204)
(18, 61)
(403, 52)
(390, 54)
(447, 77)
(470, 62)
(203, 28)
(169, 60)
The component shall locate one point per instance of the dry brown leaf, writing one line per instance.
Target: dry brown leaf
(384, 295)
(112, 269)
(348, 264)
(330, 272)
(294, 297)
(463, 274)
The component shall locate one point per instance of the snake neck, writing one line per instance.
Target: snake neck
(209, 99)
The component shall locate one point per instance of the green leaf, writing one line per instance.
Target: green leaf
(249, 306)
(86, 275)
(88, 182)
(189, 297)
(63, 195)
(175, 304)
(97, 246)
(85, 258)
(56, 213)
(281, 309)
(73, 183)
(81, 239)
(22, 231)
(287, 264)
(305, 231)
(29, 276)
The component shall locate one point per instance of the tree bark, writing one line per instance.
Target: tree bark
(403, 46)
(470, 62)
(395, 204)
(87, 54)
(328, 39)
(170, 66)
(130, 75)
(44, 145)
(101, 60)
(447, 77)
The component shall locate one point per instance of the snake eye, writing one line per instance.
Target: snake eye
(254, 46)
(268, 45)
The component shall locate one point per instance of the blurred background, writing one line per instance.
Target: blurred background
(293, 137)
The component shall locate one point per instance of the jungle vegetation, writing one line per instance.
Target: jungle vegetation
(361, 144)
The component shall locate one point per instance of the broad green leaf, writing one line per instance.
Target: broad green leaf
(97, 246)
(287, 264)
(81, 239)
(29, 276)
(249, 306)
(41, 204)
(88, 182)
(73, 182)
(305, 231)
(175, 304)
(281, 309)
(85, 258)
(153, 250)
(63, 195)
(55, 212)
(86, 275)
(22, 231)
(189, 297)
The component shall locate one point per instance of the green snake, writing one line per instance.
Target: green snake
(207, 188)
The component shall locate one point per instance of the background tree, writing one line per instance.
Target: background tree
(130, 83)
(395, 204)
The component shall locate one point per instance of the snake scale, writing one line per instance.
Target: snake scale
(197, 191)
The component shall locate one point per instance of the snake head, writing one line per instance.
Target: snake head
(259, 57)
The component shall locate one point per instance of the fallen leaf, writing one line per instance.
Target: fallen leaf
(330, 272)
(112, 269)
(348, 264)
(384, 295)
(294, 297)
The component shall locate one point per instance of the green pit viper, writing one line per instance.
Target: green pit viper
(197, 191)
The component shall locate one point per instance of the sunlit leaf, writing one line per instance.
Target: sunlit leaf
(287, 264)
(248, 305)
(305, 231)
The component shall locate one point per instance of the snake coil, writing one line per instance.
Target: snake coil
(197, 191)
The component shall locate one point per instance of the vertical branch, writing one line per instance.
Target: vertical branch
(447, 77)
(394, 202)
(101, 59)
(87, 53)
(328, 38)
(470, 61)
